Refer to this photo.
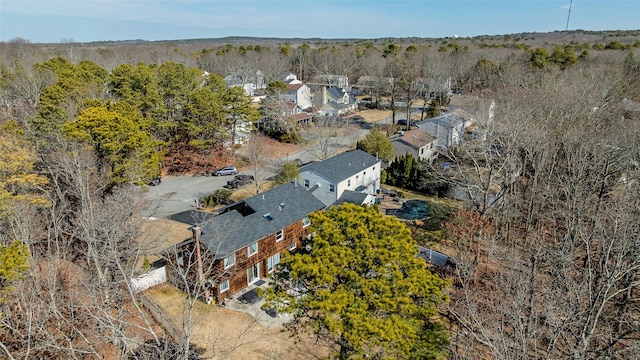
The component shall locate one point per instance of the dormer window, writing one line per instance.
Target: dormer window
(268, 216)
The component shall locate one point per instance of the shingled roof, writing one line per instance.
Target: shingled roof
(342, 166)
(248, 221)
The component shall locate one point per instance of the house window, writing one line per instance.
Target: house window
(305, 222)
(349, 182)
(357, 177)
(279, 235)
(229, 261)
(272, 262)
(421, 151)
(252, 249)
(332, 188)
(306, 183)
(253, 273)
(292, 246)
(224, 286)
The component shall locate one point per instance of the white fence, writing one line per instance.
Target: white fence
(150, 279)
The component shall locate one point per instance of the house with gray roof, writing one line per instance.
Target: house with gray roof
(336, 179)
(449, 128)
(242, 243)
(334, 101)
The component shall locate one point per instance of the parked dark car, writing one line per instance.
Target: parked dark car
(227, 170)
(403, 122)
(155, 182)
(239, 181)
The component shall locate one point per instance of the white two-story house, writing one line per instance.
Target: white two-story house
(353, 176)
(298, 93)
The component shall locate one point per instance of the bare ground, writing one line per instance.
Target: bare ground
(227, 334)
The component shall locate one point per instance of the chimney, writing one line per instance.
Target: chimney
(262, 196)
(197, 231)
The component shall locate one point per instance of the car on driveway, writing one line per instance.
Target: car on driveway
(155, 181)
(239, 181)
(403, 122)
(227, 170)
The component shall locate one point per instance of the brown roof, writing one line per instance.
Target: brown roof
(289, 105)
(294, 87)
(301, 116)
(416, 138)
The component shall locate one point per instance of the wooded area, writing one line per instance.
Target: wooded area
(548, 247)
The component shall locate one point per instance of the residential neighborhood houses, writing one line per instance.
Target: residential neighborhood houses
(234, 248)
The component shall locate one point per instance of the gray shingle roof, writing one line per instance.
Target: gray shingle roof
(248, 221)
(342, 166)
(354, 197)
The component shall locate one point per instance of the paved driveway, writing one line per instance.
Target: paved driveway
(179, 193)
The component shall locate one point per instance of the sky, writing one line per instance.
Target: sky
(54, 21)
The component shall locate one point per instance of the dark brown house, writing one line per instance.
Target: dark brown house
(242, 243)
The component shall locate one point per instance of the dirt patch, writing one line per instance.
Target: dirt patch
(371, 116)
(227, 334)
(274, 149)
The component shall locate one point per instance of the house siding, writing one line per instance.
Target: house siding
(267, 247)
(237, 274)
(369, 177)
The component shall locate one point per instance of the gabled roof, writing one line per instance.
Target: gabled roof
(301, 116)
(295, 87)
(335, 93)
(448, 120)
(415, 138)
(342, 166)
(255, 218)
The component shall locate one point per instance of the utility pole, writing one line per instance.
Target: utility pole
(569, 15)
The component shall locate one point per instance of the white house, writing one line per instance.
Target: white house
(298, 93)
(448, 128)
(420, 144)
(353, 176)
(247, 81)
(341, 81)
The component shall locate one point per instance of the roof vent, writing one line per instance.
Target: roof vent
(262, 196)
